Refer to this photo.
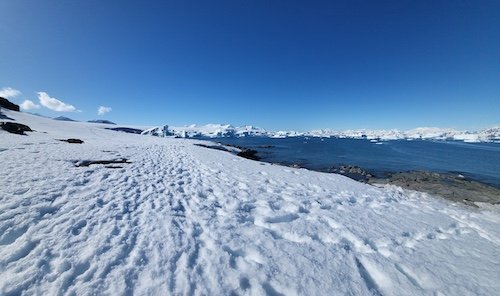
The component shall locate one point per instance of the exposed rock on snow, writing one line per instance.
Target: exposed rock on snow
(86, 163)
(15, 128)
(4, 103)
(72, 141)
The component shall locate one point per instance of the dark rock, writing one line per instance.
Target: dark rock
(101, 121)
(4, 103)
(73, 141)
(86, 163)
(249, 153)
(15, 128)
(451, 186)
(352, 171)
(126, 130)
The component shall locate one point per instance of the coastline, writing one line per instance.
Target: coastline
(453, 186)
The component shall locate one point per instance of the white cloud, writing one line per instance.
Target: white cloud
(103, 110)
(54, 104)
(9, 92)
(28, 105)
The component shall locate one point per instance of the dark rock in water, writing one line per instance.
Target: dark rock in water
(86, 163)
(15, 128)
(73, 141)
(126, 130)
(62, 118)
(4, 103)
(266, 146)
(249, 153)
(101, 121)
(451, 186)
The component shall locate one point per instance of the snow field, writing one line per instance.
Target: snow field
(186, 220)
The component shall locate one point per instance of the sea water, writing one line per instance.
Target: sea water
(479, 161)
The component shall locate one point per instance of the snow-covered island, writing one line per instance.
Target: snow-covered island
(123, 214)
(423, 133)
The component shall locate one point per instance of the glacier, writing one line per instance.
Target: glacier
(422, 133)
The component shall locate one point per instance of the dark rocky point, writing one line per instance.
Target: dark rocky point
(86, 163)
(73, 141)
(4, 103)
(126, 130)
(249, 153)
(15, 128)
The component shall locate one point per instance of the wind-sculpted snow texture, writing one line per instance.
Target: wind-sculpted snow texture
(182, 219)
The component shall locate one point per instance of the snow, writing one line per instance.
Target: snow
(182, 219)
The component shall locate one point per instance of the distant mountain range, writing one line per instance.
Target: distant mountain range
(424, 133)
(62, 118)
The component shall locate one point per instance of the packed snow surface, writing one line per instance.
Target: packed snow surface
(182, 219)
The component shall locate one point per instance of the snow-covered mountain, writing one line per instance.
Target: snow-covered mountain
(206, 131)
(423, 133)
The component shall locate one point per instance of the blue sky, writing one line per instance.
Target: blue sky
(276, 64)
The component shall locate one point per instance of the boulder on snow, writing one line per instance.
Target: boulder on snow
(15, 128)
(4, 103)
(249, 154)
(73, 141)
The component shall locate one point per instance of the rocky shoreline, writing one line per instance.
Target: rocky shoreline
(453, 186)
(450, 185)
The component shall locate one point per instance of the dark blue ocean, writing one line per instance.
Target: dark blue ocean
(478, 161)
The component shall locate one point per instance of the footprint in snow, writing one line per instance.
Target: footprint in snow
(77, 228)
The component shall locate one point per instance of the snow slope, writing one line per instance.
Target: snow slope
(182, 219)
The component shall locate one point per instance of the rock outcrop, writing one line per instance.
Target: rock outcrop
(15, 128)
(4, 103)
